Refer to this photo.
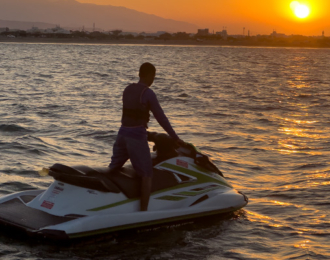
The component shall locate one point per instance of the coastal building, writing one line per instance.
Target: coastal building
(157, 34)
(274, 34)
(237, 36)
(34, 30)
(203, 32)
(4, 29)
(57, 30)
(223, 34)
(182, 36)
(129, 33)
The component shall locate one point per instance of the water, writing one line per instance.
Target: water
(262, 114)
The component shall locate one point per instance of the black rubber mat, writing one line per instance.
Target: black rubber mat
(27, 198)
(14, 212)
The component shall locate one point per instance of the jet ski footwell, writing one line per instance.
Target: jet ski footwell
(15, 213)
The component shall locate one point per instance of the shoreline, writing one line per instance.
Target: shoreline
(242, 43)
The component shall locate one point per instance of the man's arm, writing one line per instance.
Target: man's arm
(150, 98)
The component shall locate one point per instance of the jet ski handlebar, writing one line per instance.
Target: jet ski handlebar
(164, 142)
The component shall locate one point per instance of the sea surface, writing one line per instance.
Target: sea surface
(262, 114)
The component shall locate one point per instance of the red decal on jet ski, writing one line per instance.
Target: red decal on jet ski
(181, 163)
(47, 204)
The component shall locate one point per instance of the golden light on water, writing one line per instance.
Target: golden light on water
(319, 179)
(304, 244)
(302, 132)
(299, 139)
(255, 217)
(281, 203)
(299, 121)
(318, 218)
(316, 184)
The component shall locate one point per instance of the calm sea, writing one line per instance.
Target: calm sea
(262, 114)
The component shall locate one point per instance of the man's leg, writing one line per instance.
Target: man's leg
(139, 154)
(145, 192)
(120, 153)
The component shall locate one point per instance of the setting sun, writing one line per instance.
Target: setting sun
(300, 10)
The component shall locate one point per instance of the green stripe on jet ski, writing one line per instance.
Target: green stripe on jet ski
(151, 223)
(201, 177)
(171, 198)
(201, 169)
(195, 193)
(113, 204)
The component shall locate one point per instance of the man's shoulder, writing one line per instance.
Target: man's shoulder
(150, 90)
(130, 85)
(149, 93)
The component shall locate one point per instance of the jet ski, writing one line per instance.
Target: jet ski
(84, 201)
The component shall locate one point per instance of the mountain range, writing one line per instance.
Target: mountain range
(72, 14)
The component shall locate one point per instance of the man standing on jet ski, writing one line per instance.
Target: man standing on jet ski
(131, 142)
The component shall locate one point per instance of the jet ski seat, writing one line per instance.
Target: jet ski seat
(103, 179)
(82, 176)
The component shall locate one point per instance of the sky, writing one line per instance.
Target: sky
(256, 16)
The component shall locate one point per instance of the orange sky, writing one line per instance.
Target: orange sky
(258, 16)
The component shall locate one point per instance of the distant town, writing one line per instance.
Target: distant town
(201, 37)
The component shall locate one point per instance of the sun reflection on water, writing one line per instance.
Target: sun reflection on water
(303, 244)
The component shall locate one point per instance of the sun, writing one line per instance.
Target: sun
(300, 10)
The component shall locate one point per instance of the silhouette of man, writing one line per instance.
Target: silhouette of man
(131, 142)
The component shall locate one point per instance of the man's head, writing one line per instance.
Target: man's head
(147, 73)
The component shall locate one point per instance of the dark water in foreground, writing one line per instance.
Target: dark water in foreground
(262, 114)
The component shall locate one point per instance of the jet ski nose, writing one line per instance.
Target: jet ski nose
(245, 197)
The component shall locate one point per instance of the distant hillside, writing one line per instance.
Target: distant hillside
(70, 13)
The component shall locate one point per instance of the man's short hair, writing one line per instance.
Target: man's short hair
(147, 69)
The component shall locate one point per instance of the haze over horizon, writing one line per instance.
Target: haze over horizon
(256, 16)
